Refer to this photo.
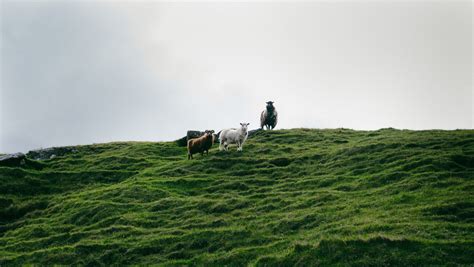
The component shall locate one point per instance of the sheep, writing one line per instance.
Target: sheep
(208, 144)
(269, 117)
(201, 144)
(233, 136)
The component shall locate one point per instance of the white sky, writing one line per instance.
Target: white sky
(84, 72)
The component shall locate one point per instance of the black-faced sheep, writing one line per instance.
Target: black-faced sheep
(269, 117)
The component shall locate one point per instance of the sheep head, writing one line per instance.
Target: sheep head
(270, 106)
(244, 126)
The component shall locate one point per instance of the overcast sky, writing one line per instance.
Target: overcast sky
(76, 72)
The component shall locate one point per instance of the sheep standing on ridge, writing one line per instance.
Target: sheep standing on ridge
(201, 144)
(269, 117)
(208, 143)
(233, 136)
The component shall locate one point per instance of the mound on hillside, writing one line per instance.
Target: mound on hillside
(292, 197)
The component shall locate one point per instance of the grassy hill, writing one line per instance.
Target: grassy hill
(292, 197)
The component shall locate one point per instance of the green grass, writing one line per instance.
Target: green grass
(292, 197)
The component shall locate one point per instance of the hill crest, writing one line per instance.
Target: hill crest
(292, 197)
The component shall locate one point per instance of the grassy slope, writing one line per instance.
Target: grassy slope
(291, 197)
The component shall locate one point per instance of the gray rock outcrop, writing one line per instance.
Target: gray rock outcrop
(13, 160)
(49, 153)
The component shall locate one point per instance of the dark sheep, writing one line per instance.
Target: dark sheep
(269, 117)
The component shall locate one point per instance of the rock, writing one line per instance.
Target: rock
(13, 160)
(182, 141)
(47, 153)
(253, 132)
(193, 134)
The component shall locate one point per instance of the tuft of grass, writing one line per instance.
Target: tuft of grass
(294, 197)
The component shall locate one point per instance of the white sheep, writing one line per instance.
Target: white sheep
(233, 136)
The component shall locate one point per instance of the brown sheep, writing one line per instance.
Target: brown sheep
(208, 144)
(201, 144)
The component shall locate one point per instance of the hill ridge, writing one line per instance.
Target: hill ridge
(292, 197)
